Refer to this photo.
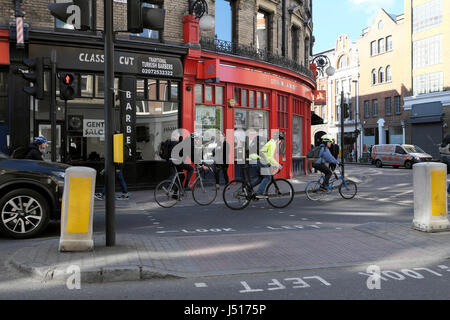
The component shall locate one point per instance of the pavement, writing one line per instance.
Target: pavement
(143, 257)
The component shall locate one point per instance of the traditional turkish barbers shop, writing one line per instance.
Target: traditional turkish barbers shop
(146, 117)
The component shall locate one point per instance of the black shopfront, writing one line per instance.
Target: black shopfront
(147, 106)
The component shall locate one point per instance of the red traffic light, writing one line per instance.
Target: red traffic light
(67, 79)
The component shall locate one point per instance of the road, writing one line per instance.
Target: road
(385, 195)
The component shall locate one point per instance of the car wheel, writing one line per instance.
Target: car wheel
(24, 213)
(378, 164)
(408, 165)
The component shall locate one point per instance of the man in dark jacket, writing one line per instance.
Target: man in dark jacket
(223, 149)
(36, 149)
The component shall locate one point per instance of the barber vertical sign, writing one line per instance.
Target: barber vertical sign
(19, 32)
(128, 115)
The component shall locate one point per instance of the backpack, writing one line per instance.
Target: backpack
(165, 149)
(314, 153)
(20, 153)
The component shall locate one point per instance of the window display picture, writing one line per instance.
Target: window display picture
(240, 119)
(256, 120)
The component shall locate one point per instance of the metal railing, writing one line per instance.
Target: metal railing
(237, 49)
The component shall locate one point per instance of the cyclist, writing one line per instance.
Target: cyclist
(268, 152)
(182, 166)
(37, 149)
(325, 158)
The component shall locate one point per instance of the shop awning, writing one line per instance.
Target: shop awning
(315, 119)
(417, 120)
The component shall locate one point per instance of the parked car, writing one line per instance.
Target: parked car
(30, 195)
(398, 155)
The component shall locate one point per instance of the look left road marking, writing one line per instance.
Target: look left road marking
(201, 285)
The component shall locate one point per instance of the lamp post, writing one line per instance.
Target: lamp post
(324, 65)
(356, 118)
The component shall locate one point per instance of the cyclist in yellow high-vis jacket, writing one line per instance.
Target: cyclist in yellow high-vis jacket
(268, 160)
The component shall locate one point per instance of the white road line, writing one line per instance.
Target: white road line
(201, 285)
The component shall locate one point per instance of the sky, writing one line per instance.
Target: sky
(332, 18)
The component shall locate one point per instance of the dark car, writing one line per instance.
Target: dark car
(30, 195)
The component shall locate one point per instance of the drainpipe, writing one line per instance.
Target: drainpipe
(283, 29)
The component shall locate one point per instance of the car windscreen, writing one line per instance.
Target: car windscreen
(3, 156)
(413, 149)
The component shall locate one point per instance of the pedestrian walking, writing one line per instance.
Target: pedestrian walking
(221, 162)
(118, 167)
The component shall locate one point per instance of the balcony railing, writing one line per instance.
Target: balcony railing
(232, 48)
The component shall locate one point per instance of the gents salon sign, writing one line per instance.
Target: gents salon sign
(93, 128)
(125, 62)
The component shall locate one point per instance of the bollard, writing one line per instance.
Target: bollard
(77, 210)
(430, 197)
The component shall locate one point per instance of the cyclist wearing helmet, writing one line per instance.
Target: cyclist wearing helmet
(37, 148)
(325, 158)
(268, 152)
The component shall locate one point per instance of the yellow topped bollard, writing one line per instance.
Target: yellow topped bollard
(78, 210)
(430, 197)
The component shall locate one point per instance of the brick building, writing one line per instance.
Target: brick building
(269, 41)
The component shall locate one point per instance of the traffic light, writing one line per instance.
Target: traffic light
(139, 16)
(35, 76)
(77, 13)
(66, 86)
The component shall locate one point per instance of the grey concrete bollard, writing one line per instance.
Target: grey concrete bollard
(78, 210)
(430, 197)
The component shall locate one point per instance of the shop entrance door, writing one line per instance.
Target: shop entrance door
(45, 130)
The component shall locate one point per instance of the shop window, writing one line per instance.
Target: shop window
(282, 112)
(237, 95)
(397, 106)
(198, 93)
(381, 75)
(140, 89)
(156, 117)
(208, 94)
(87, 86)
(207, 118)
(251, 99)
(244, 98)
(258, 99)
(99, 87)
(163, 90)
(152, 89)
(266, 100)
(366, 109)
(297, 136)
(174, 91)
(219, 95)
(255, 122)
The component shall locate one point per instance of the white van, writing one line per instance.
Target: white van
(398, 155)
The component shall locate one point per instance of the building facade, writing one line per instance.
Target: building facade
(384, 81)
(344, 82)
(164, 71)
(428, 100)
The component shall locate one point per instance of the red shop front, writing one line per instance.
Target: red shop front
(226, 92)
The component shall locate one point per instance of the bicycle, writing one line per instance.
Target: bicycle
(238, 193)
(347, 188)
(170, 191)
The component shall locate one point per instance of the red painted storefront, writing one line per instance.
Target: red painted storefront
(279, 94)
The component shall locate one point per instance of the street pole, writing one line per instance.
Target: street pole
(53, 104)
(342, 130)
(109, 122)
(356, 120)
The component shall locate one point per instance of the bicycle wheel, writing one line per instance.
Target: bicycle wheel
(204, 192)
(235, 195)
(313, 191)
(348, 189)
(280, 193)
(167, 193)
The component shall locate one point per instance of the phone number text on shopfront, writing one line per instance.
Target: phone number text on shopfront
(158, 72)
